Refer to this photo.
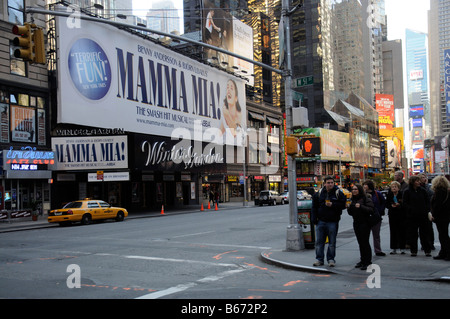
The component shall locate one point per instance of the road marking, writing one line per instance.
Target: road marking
(182, 287)
(180, 261)
(225, 245)
(195, 234)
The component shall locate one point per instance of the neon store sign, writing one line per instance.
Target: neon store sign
(28, 159)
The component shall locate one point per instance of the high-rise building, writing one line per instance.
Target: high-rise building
(439, 39)
(163, 16)
(418, 96)
(374, 33)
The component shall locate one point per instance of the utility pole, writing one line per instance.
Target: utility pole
(294, 236)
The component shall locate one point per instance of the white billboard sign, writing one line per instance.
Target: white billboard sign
(110, 78)
(90, 152)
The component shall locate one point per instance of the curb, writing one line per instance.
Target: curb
(265, 257)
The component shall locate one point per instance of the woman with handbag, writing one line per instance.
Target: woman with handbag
(361, 208)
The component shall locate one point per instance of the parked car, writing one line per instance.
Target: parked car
(270, 198)
(85, 211)
(285, 196)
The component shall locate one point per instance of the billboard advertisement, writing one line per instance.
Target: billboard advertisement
(417, 123)
(447, 81)
(221, 29)
(142, 87)
(416, 111)
(330, 141)
(385, 109)
(360, 147)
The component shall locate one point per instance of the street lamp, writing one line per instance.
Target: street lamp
(340, 152)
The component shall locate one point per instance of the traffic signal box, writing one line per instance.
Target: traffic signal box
(310, 146)
(291, 145)
(31, 42)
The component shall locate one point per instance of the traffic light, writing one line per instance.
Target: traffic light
(25, 41)
(310, 146)
(31, 43)
(39, 46)
(291, 145)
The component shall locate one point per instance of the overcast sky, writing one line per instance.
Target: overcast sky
(406, 14)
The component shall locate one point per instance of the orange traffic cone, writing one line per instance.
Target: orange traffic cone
(216, 207)
(209, 206)
(201, 209)
(162, 210)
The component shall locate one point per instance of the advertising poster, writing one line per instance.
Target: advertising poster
(416, 111)
(385, 109)
(143, 87)
(90, 152)
(221, 29)
(23, 124)
(4, 123)
(447, 81)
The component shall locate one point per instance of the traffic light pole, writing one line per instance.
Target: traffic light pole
(294, 240)
(294, 235)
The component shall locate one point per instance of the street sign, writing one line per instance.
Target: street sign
(304, 81)
(297, 96)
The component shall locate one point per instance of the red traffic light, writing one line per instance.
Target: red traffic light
(20, 30)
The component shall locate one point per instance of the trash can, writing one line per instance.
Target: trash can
(304, 220)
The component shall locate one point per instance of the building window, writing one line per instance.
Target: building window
(16, 11)
(26, 116)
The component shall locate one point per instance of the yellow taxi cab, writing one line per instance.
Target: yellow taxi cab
(85, 211)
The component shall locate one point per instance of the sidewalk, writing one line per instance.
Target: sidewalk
(347, 255)
(26, 223)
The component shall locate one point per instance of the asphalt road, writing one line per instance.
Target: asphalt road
(211, 255)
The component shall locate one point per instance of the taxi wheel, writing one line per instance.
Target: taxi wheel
(120, 216)
(86, 219)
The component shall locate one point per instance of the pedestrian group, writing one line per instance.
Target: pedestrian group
(412, 208)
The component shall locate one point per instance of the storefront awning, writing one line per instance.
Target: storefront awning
(273, 120)
(256, 116)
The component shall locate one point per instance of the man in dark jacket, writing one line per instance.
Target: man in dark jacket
(380, 204)
(327, 208)
(417, 206)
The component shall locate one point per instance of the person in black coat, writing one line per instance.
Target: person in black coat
(397, 218)
(360, 208)
(440, 213)
(379, 204)
(327, 206)
(417, 206)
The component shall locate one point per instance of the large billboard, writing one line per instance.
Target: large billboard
(447, 81)
(331, 143)
(221, 29)
(385, 109)
(110, 78)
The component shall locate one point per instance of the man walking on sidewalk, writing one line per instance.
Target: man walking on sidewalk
(327, 208)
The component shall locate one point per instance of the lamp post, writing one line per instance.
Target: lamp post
(340, 152)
